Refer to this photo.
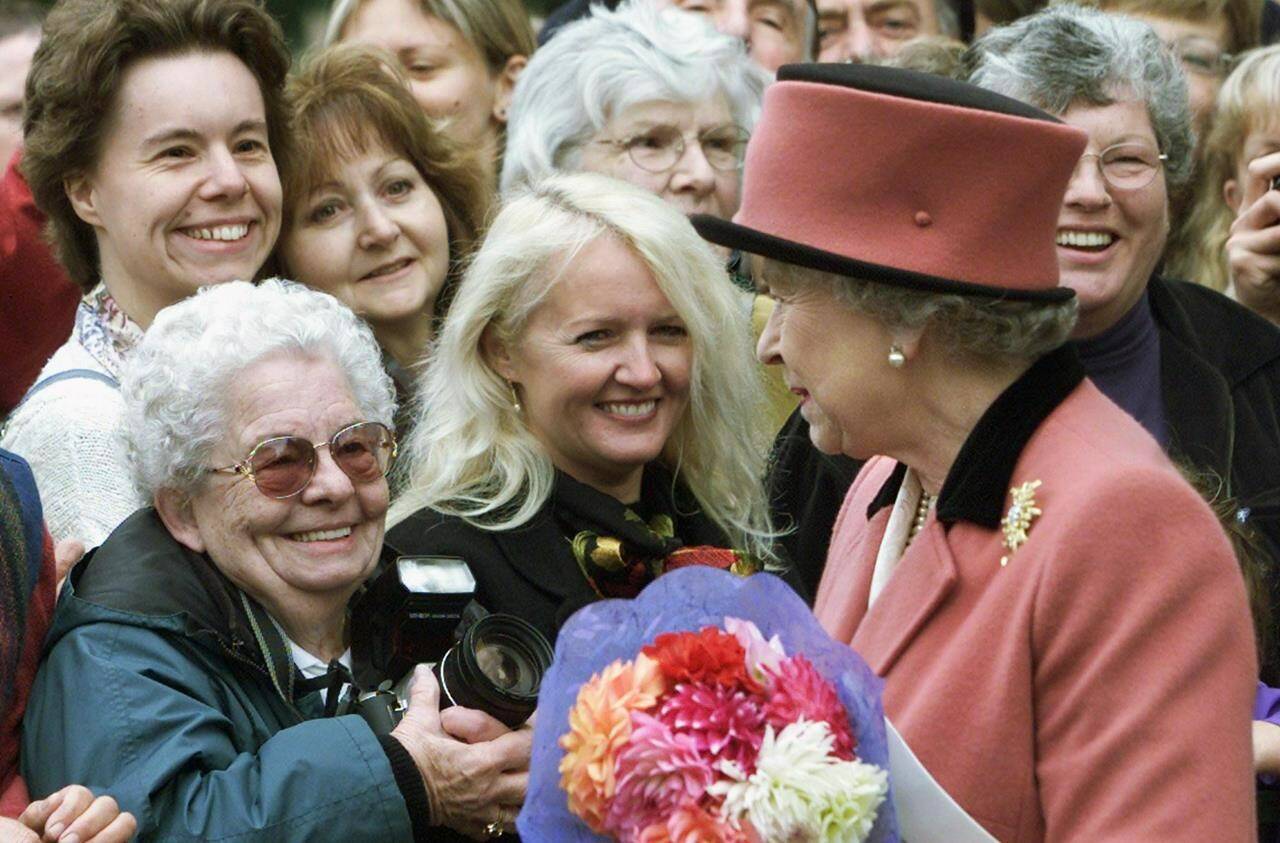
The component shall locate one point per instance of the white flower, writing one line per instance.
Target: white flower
(800, 792)
(759, 653)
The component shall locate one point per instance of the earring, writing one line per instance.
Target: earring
(502, 113)
(515, 398)
(896, 358)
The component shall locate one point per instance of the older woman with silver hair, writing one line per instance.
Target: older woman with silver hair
(1009, 557)
(1200, 372)
(591, 411)
(652, 96)
(191, 647)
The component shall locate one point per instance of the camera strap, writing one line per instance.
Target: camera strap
(333, 682)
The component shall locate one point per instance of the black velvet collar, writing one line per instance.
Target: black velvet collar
(978, 481)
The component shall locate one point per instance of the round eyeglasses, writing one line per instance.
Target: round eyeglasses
(659, 148)
(1127, 166)
(282, 466)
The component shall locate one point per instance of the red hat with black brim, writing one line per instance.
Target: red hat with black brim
(904, 178)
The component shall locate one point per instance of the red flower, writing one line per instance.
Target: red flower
(800, 691)
(711, 656)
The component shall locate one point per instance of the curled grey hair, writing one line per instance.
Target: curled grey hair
(177, 376)
(1065, 54)
(988, 329)
(602, 65)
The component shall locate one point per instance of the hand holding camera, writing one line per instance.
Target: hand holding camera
(476, 788)
(1253, 246)
(417, 621)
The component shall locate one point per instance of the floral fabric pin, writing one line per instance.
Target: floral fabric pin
(1017, 521)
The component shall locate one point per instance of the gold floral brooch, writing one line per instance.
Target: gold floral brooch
(1017, 521)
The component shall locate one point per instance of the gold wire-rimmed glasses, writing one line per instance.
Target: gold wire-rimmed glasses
(657, 149)
(1128, 166)
(282, 466)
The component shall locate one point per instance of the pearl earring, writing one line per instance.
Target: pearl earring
(896, 358)
(515, 397)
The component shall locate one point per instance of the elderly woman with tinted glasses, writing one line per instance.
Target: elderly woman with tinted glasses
(257, 421)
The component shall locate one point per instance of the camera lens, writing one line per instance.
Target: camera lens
(505, 668)
(497, 668)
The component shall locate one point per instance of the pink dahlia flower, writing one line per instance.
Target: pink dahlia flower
(799, 692)
(726, 723)
(657, 771)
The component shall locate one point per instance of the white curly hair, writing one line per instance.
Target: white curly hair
(176, 376)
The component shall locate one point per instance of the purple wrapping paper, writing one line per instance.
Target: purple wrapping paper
(687, 599)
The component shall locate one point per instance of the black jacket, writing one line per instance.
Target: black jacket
(530, 571)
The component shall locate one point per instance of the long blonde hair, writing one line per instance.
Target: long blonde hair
(1249, 99)
(471, 455)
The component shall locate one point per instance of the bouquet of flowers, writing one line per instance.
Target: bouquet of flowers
(687, 724)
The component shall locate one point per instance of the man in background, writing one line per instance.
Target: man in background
(871, 30)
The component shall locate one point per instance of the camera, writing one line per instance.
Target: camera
(422, 610)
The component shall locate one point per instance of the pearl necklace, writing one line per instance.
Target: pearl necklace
(921, 516)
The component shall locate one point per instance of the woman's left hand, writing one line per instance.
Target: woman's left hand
(1266, 748)
(74, 814)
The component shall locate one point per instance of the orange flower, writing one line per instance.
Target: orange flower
(600, 725)
(691, 824)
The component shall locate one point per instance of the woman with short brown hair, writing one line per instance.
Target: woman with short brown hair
(380, 205)
(152, 133)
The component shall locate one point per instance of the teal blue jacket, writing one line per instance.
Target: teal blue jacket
(167, 688)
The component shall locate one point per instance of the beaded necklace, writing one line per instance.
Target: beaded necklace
(921, 516)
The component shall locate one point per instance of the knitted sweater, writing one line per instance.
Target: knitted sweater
(69, 431)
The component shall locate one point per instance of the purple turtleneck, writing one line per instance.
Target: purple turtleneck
(1124, 362)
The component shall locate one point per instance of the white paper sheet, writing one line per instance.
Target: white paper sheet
(926, 812)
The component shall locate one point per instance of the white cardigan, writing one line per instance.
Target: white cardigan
(69, 432)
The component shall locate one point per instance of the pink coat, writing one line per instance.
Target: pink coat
(1099, 687)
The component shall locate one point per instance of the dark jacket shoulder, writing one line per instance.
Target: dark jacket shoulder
(1237, 342)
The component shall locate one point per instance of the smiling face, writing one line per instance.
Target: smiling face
(447, 74)
(835, 362)
(1109, 240)
(602, 369)
(865, 30)
(373, 235)
(315, 547)
(184, 192)
(773, 30)
(691, 184)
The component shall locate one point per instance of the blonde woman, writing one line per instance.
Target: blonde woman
(592, 408)
(1229, 241)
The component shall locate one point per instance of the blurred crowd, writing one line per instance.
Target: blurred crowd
(960, 316)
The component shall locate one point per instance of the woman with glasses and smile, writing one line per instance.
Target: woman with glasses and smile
(654, 97)
(208, 633)
(1198, 371)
